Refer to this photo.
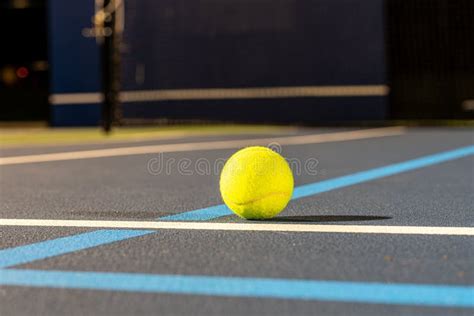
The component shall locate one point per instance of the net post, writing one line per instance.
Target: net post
(110, 61)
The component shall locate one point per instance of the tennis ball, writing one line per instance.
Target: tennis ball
(256, 183)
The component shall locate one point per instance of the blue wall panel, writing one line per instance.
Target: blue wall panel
(74, 61)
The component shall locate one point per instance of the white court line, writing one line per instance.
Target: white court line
(260, 227)
(225, 144)
(225, 93)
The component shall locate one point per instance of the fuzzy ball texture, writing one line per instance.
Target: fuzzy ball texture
(256, 183)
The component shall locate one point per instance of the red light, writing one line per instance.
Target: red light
(22, 72)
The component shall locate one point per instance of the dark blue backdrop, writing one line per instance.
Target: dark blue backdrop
(180, 44)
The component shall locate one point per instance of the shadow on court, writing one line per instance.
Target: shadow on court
(328, 218)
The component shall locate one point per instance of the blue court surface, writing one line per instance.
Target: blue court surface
(380, 222)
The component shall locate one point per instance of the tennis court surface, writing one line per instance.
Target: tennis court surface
(381, 223)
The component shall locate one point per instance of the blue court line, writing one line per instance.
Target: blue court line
(377, 173)
(203, 214)
(336, 183)
(59, 246)
(50, 248)
(295, 289)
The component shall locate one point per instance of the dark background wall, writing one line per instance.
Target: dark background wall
(180, 44)
(422, 48)
(23, 60)
(235, 43)
(430, 47)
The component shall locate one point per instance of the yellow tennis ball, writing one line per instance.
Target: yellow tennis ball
(256, 183)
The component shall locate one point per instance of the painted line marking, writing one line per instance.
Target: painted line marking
(54, 247)
(294, 289)
(254, 93)
(63, 245)
(76, 98)
(225, 93)
(259, 227)
(214, 145)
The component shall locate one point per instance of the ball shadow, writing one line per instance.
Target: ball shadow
(328, 218)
